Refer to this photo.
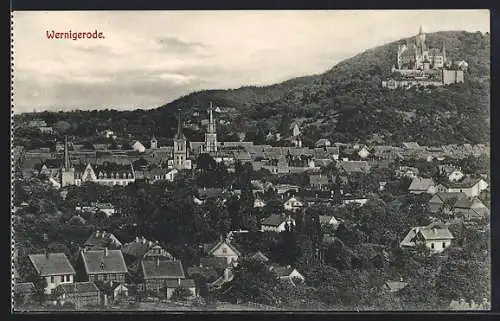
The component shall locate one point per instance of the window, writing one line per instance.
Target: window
(224, 250)
(68, 278)
(62, 278)
(444, 245)
(432, 245)
(52, 279)
(105, 277)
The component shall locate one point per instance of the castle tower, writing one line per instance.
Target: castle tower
(211, 134)
(180, 147)
(154, 142)
(67, 172)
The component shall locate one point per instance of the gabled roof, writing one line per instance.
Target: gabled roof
(354, 166)
(434, 231)
(137, 248)
(444, 196)
(97, 262)
(465, 183)
(218, 244)
(282, 270)
(325, 219)
(467, 203)
(51, 264)
(162, 269)
(103, 239)
(78, 287)
(274, 220)
(421, 184)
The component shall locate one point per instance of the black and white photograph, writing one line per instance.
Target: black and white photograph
(250, 160)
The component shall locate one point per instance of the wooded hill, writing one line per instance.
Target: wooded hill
(344, 104)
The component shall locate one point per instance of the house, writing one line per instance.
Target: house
(471, 187)
(328, 220)
(293, 204)
(422, 185)
(46, 130)
(95, 207)
(323, 142)
(288, 273)
(470, 209)
(394, 286)
(118, 290)
(258, 203)
(79, 293)
(452, 174)
(189, 284)
(139, 249)
(24, 290)
(276, 223)
(318, 181)
(138, 146)
(102, 239)
(224, 249)
(439, 200)
(350, 167)
(349, 199)
(160, 174)
(106, 173)
(54, 267)
(435, 236)
(157, 272)
(407, 171)
(103, 265)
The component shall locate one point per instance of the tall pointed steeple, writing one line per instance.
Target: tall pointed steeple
(66, 153)
(179, 134)
(444, 53)
(420, 31)
(211, 123)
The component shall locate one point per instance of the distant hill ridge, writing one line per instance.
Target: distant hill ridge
(347, 102)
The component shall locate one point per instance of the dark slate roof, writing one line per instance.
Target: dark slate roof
(185, 283)
(162, 269)
(103, 239)
(354, 166)
(444, 196)
(136, 249)
(96, 262)
(274, 220)
(24, 288)
(78, 287)
(53, 264)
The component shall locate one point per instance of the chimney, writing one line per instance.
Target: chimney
(144, 240)
(97, 233)
(401, 279)
(150, 243)
(137, 239)
(226, 274)
(105, 251)
(179, 282)
(157, 262)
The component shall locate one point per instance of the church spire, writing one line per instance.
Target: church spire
(420, 31)
(179, 134)
(211, 123)
(66, 153)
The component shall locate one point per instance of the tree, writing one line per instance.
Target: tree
(252, 282)
(206, 162)
(181, 294)
(40, 285)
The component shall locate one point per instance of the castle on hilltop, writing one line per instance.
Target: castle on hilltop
(418, 64)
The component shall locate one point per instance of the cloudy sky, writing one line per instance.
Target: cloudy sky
(148, 58)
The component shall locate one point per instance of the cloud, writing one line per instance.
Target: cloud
(150, 58)
(177, 45)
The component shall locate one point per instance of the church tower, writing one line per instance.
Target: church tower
(211, 134)
(67, 172)
(180, 147)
